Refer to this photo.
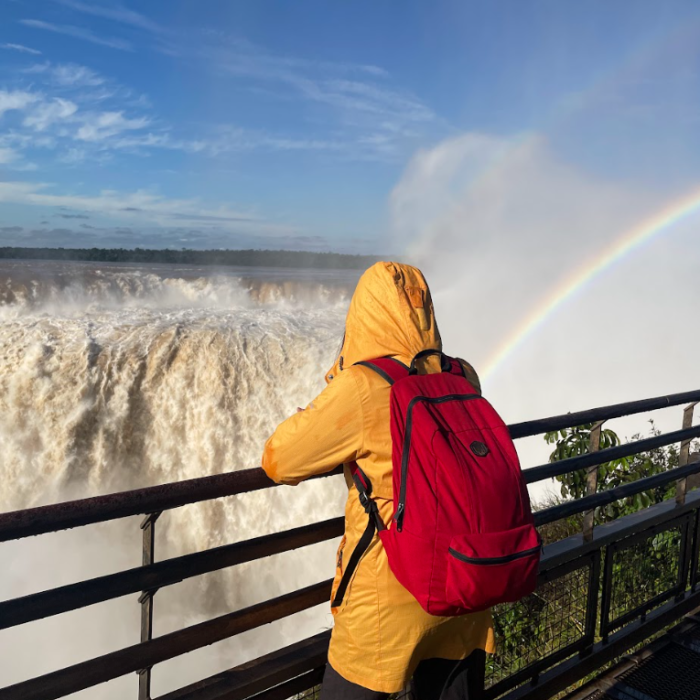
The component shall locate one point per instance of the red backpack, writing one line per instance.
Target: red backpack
(462, 538)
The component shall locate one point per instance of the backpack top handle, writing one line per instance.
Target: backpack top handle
(445, 362)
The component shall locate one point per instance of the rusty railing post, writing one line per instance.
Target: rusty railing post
(592, 481)
(146, 600)
(682, 484)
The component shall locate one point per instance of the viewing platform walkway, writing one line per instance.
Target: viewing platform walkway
(667, 669)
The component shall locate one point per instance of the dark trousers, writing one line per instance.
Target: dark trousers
(434, 679)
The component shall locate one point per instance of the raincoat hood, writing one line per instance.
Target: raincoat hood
(391, 314)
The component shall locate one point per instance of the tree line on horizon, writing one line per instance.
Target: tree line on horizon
(239, 258)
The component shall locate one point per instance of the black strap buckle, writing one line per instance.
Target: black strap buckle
(365, 500)
(364, 492)
(363, 484)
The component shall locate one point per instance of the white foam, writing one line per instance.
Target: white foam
(117, 380)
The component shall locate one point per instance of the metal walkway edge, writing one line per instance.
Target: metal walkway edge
(667, 669)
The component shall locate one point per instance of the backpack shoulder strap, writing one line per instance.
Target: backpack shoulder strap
(388, 368)
(374, 524)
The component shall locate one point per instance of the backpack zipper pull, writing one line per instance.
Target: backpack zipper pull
(398, 518)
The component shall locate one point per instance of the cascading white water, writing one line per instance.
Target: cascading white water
(114, 378)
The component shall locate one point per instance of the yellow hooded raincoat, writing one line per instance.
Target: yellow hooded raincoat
(380, 633)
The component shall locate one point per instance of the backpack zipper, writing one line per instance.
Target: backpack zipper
(401, 506)
(491, 561)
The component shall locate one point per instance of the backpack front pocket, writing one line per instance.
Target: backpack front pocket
(493, 567)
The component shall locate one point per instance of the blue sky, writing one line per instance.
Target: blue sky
(289, 124)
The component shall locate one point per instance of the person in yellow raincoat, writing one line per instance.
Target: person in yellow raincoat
(381, 635)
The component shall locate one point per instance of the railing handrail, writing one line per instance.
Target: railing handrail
(593, 415)
(17, 524)
(591, 459)
(73, 596)
(579, 505)
(101, 669)
(168, 572)
(152, 499)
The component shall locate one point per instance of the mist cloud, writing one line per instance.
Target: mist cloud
(497, 225)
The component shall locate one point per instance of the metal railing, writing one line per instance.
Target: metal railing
(587, 574)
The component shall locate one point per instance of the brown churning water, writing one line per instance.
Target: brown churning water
(116, 377)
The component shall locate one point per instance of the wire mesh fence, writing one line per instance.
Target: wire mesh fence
(559, 619)
(550, 621)
(642, 574)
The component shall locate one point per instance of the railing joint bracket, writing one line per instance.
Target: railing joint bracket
(150, 519)
(147, 594)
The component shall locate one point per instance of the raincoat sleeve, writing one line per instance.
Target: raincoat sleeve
(326, 434)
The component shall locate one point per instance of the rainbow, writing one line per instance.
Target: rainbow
(584, 275)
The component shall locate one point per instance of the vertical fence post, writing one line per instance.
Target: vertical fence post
(695, 553)
(591, 481)
(146, 600)
(682, 484)
(592, 602)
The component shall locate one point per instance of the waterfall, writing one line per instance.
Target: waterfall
(119, 377)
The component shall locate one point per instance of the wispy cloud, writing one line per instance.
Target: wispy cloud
(21, 48)
(85, 85)
(41, 113)
(103, 125)
(247, 58)
(357, 112)
(67, 74)
(135, 206)
(117, 13)
(369, 98)
(15, 100)
(78, 33)
(50, 112)
(7, 155)
(361, 96)
(13, 159)
(162, 140)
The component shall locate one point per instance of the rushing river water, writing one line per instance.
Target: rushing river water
(120, 376)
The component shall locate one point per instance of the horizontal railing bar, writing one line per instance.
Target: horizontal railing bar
(161, 574)
(259, 674)
(62, 516)
(641, 610)
(87, 511)
(568, 508)
(572, 464)
(571, 420)
(118, 663)
(655, 518)
(291, 688)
